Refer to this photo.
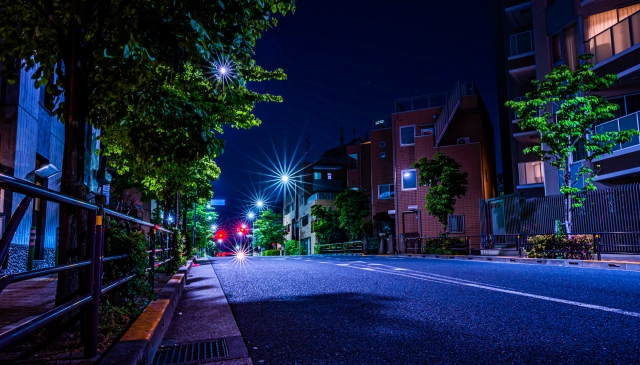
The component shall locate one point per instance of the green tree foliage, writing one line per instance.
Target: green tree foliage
(102, 51)
(446, 183)
(204, 219)
(353, 208)
(573, 127)
(324, 223)
(268, 230)
(293, 247)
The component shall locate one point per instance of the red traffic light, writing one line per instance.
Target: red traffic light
(220, 235)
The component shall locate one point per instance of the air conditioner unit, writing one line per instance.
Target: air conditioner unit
(463, 140)
(426, 132)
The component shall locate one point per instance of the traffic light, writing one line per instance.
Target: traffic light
(243, 230)
(220, 235)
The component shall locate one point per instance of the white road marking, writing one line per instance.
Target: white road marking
(454, 281)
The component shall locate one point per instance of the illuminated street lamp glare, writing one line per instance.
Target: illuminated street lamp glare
(259, 204)
(285, 178)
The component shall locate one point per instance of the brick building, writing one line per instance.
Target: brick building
(539, 35)
(459, 128)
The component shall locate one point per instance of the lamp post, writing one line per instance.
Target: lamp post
(251, 216)
(286, 179)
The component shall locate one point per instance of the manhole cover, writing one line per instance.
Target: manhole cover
(191, 353)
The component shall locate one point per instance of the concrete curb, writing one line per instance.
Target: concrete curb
(610, 265)
(139, 344)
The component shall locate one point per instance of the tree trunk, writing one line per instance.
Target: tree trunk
(73, 222)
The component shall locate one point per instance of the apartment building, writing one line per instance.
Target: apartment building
(318, 184)
(538, 35)
(456, 124)
(31, 147)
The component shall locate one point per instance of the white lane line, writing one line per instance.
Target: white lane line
(454, 281)
(323, 262)
(342, 264)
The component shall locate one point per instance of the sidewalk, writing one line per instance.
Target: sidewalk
(203, 321)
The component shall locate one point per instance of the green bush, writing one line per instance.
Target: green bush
(271, 253)
(292, 247)
(550, 246)
(178, 251)
(441, 245)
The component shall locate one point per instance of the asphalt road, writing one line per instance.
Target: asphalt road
(390, 310)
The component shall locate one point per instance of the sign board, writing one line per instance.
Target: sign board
(217, 202)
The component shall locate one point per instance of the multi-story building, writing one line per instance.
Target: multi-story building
(318, 184)
(382, 178)
(538, 35)
(456, 124)
(31, 147)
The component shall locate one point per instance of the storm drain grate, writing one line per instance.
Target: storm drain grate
(188, 353)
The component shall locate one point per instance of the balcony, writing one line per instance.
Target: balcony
(521, 44)
(530, 174)
(321, 196)
(624, 123)
(527, 138)
(618, 45)
(519, 13)
(435, 100)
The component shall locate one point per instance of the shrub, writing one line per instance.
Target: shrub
(292, 247)
(550, 246)
(441, 245)
(178, 251)
(271, 253)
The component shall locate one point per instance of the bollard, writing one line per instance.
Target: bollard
(32, 248)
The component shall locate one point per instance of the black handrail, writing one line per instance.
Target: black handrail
(91, 285)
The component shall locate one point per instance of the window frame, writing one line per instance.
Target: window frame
(415, 173)
(389, 187)
(456, 216)
(413, 127)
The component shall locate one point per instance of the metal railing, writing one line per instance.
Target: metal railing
(593, 244)
(434, 100)
(344, 247)
(322, 196)
(521, 43)
(465, 88)
(91, 280)
(615, 39)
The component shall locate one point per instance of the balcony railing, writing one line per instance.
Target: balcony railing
(521, 43)
(422, 102)
(461, 89)
(321, 196)
(615, 39)
(530, 173)
(630, 121)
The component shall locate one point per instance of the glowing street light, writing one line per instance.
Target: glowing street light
(214, 227)
(259, 204)
(284, 179)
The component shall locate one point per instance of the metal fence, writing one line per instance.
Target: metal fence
(599, 243)
(344, 247)
(91, 264)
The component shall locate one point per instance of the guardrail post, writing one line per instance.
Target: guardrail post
(96, 248)
(152, 259)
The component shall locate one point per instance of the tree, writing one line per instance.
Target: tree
(268, 229)
(353, 209)
(204, 219)
(445, 181)
(88, 52)
(572, 128)
(324, 222)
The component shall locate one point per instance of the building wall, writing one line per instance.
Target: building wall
(27, 128)
(382, 172)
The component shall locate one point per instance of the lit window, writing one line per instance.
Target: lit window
(386, 191)
(317, 175)
(328, 176)
(409, 181)
(407, 135)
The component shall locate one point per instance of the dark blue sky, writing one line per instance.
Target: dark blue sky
(347, 61)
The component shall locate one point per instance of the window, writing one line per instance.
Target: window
(383, 144)
(556, 49)
(328, 176)
(409, 180)
(611, 32)
(426, 131)
(305, 220)
(530, 173)
(317, 175)
(521, 43)
(580, 153)
(456, 223)
(383, 155)
(386, 191)
(407, 135)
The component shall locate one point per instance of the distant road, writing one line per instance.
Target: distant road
(390, 310)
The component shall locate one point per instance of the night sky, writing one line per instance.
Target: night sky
(347, 61)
